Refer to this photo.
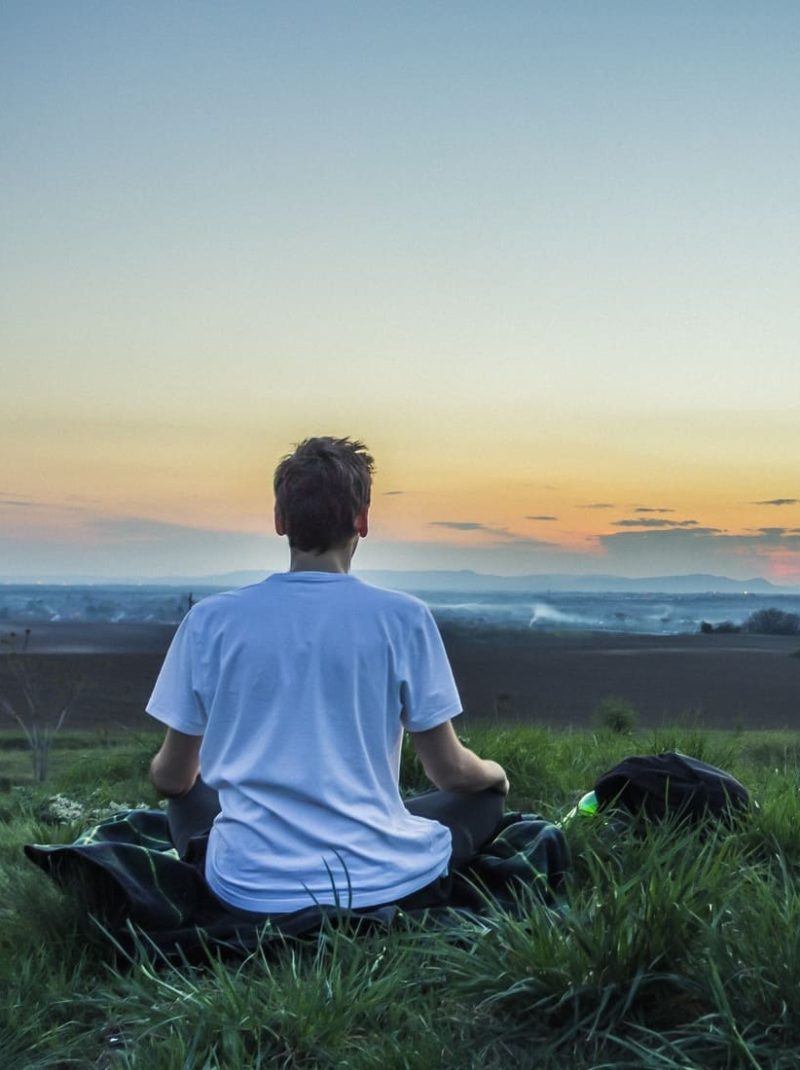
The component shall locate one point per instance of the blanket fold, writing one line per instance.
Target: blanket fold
(132, 879)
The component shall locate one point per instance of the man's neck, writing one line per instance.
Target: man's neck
(337, 559)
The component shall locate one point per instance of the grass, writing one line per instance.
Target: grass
(679, 949)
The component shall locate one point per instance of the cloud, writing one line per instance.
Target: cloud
(501, 557)
(471, 525)
(599, 505)
(459, 525)
(392, 493)
(71, 504)
(540, 518)
(779, 535)
(772, 552)
(652, 522)
(779, 501)
(523, 542)
(133, 529)
(502, 536)
(673, 531)
(132, 546)
(646, 509)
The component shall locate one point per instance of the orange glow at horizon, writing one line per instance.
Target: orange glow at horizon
(90, 483)
(223, 480)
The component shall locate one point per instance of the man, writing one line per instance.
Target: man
(292, 695)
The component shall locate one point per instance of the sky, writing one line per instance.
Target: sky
(542, 257)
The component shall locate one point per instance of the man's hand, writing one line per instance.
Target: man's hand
(503, 787)
(176, 766)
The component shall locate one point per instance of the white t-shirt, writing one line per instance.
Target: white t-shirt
(301, 687)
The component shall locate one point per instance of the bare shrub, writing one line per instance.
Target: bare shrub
(39, 717)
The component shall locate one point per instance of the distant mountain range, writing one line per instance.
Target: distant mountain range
(432, 581)
(478, 582)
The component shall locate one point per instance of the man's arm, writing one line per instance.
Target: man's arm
(451, 766)
(175, 768)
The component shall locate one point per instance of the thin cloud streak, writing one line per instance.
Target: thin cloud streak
(652, 522)
(667, 533)
(458, 525)
(503, 536)
(522, 542)
(766, 538)
(145, 529)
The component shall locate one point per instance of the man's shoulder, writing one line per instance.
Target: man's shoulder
(224, 606)
(399, 601)
(221, 604)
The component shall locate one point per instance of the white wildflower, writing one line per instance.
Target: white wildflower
(62, 810)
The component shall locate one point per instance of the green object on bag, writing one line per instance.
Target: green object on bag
(587, 807)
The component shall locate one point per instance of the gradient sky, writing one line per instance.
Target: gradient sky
(542, 257)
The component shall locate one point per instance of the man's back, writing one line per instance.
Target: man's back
(301, 687)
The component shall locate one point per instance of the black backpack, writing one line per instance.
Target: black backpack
(671, 785)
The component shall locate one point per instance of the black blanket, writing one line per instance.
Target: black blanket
(135, 883)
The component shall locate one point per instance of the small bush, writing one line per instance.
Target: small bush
(616, 715)
(725, 627)
(773, 622)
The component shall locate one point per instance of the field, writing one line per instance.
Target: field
(677, 950)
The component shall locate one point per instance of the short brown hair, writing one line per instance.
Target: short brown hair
(320, 489)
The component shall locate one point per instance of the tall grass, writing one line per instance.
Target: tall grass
(679, 948)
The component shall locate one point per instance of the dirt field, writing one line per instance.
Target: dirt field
(721, 680)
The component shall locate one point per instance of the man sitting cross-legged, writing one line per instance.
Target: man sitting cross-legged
(291, 696)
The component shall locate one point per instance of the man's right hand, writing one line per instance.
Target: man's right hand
(503, 787)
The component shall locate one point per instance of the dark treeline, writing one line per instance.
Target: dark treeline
(762, 622)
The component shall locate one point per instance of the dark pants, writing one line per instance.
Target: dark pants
(472, 819)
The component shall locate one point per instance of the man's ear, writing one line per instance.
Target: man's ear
(280, 527)
(361, 524)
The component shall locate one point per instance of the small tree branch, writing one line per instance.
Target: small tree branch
(38, 732)
(8, 709)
